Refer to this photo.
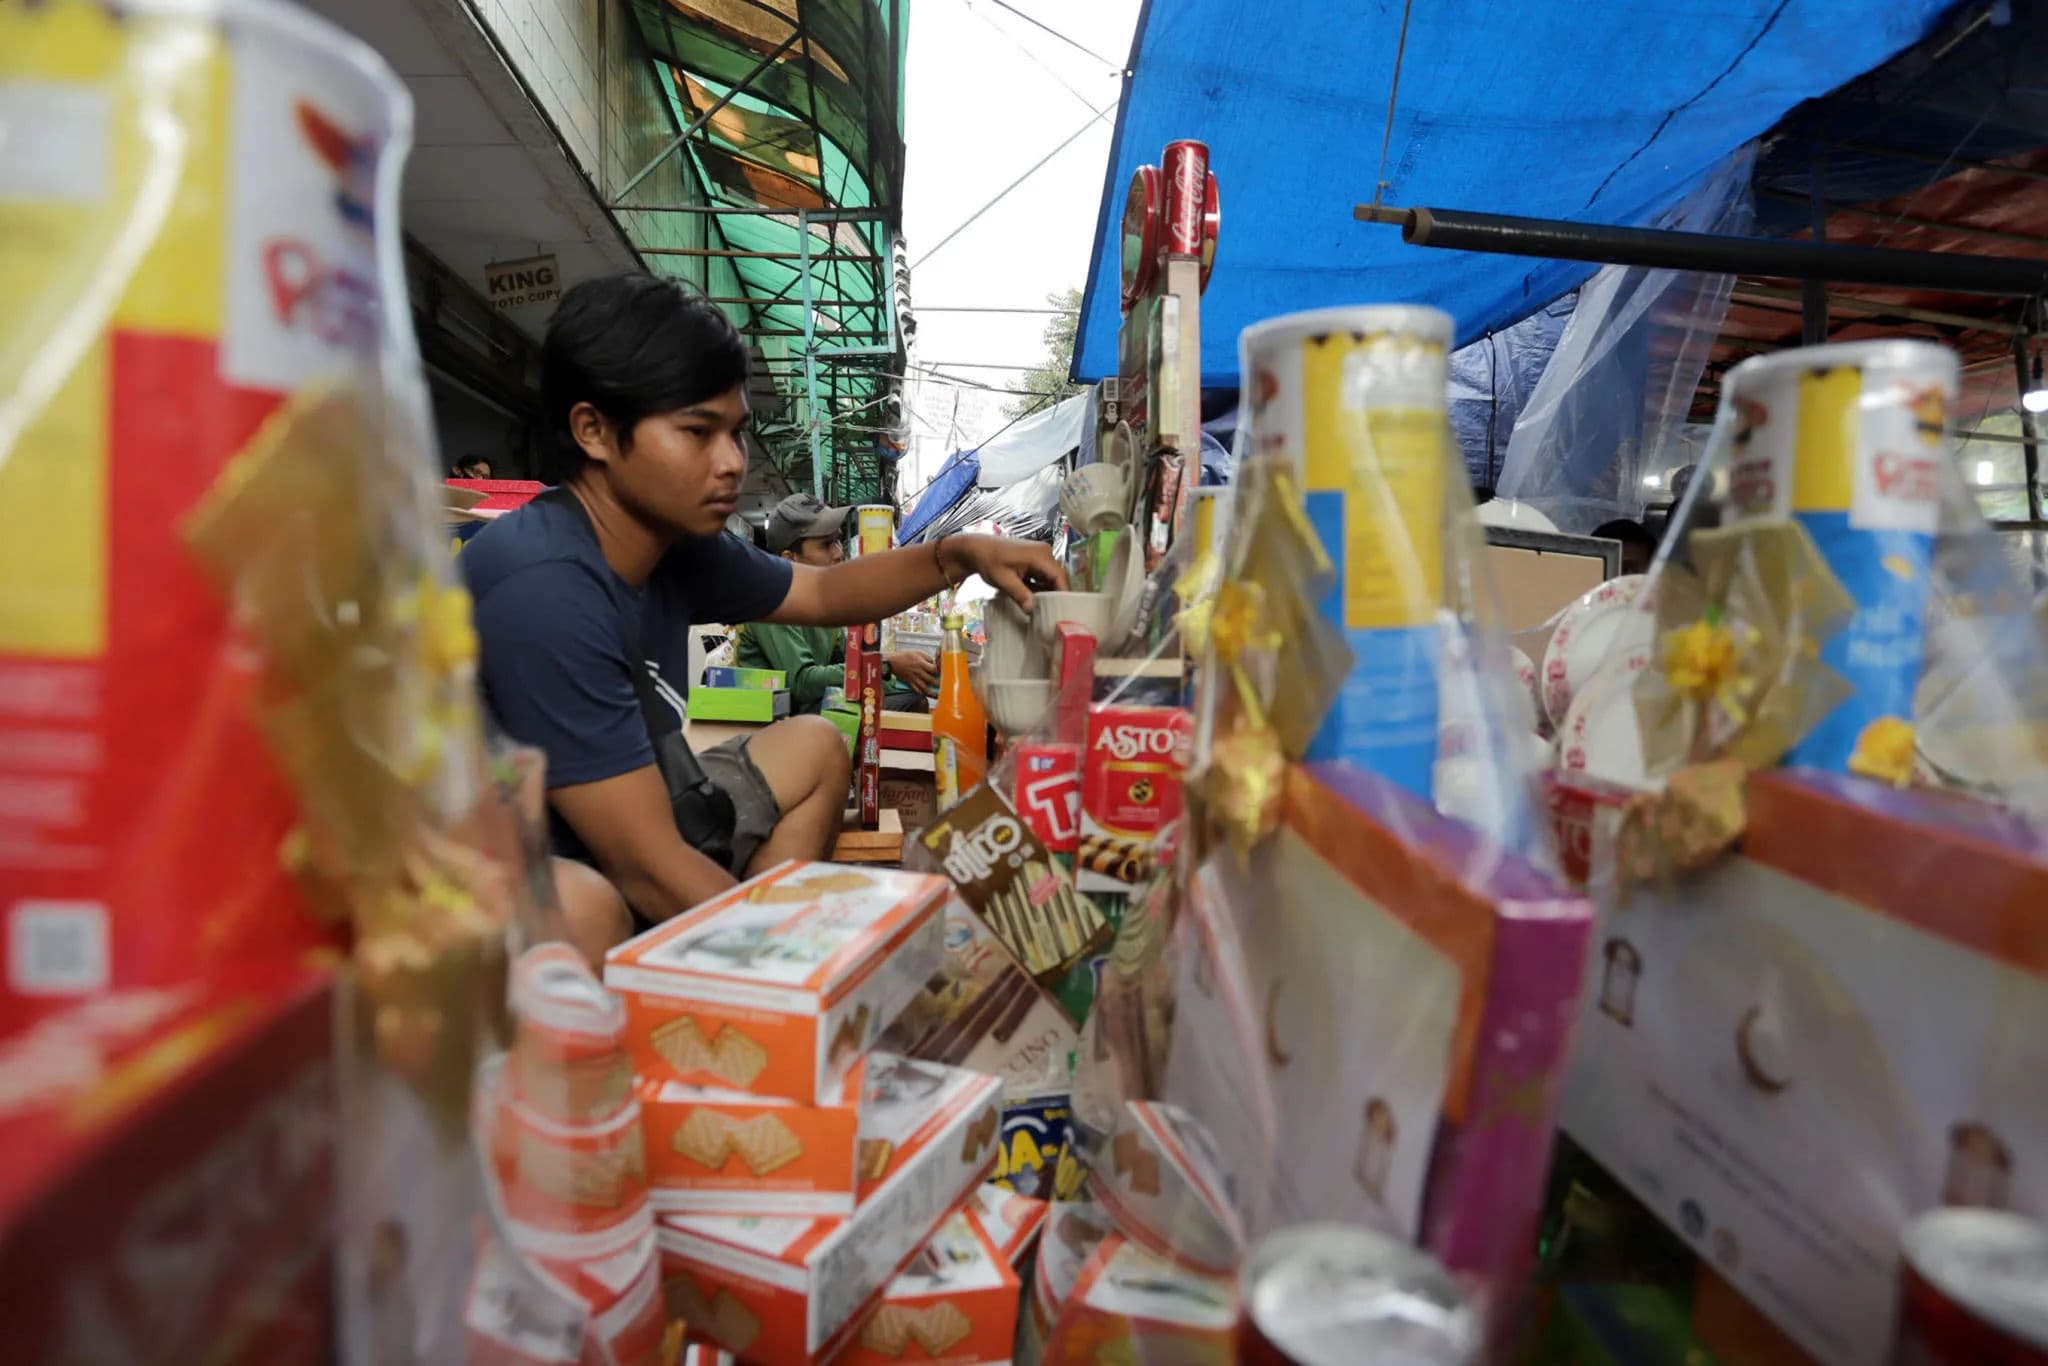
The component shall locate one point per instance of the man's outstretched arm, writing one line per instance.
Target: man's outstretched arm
(877, 586)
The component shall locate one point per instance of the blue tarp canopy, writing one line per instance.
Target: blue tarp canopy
(1600, 113)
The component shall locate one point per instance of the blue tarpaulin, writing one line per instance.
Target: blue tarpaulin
(954, 481)
(1594, 112)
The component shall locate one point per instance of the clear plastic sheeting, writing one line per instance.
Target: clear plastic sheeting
(1493, 381)
(1595, 441)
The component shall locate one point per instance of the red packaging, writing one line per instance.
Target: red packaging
(1130, 791)
(1049, 793)
(169, 1185)
(864, 688)
(1185, 169)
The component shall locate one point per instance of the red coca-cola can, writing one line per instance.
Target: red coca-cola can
(1185, 169)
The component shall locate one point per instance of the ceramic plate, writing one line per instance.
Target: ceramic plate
(1600, 735)
(1599, 624)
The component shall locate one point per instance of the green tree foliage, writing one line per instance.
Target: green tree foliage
(1047, 382)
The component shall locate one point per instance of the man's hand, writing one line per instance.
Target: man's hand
(1012, 567)
(915, 670)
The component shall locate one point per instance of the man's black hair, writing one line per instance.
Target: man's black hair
(630, 346)
(1627, 531)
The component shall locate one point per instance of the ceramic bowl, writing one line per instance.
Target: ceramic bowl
(1013, 649)
(1094, 497)
(1094, 613)
(1123, 582)
(1018, 707)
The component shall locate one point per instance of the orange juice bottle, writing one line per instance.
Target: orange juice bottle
(959, 727)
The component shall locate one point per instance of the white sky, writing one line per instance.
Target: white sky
(978, 111)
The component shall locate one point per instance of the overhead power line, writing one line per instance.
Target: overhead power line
(1003, 193)
(1037, 24)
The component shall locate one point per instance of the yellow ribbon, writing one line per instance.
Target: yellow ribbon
(1884, 751)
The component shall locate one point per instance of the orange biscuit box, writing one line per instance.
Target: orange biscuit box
(1011, 1221)
(954, 1305)
(779, 986)
(792, 1291)
(711, 1151)
(1129, 1305)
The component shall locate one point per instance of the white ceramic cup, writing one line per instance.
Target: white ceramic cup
(1092, 612)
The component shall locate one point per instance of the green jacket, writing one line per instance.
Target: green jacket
(813, 657)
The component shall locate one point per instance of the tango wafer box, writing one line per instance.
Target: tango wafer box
(955, 1304)
(778, 986)
(792, 1290)
(712, 1151)
(1131, 773)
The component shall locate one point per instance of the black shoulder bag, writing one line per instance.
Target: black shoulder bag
(703, 813)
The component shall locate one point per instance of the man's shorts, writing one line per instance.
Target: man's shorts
(755, 810)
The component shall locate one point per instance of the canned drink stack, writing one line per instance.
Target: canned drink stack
(1354, 399)
(1850, 440)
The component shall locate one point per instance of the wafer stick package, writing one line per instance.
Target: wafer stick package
(779, 986)
(1010, 880)
(792, 1290)
(712, 1151)
(955, 1304)
(1131, 776)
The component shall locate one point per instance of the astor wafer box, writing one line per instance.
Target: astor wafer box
(954, 1305)
(778, 986)
(711, 1151)
(791, 1290)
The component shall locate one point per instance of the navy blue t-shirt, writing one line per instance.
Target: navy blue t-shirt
(553, 661)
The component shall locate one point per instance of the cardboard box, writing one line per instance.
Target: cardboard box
(791, 1290)
(757, 705)
(1842, 1023)
(1049, 792)
(1163, 1188)
(954, 1305)
(168, 1193)
(778, 986)
(981, 1010)
(730, 676)
(1011, 1221)
(713, 1151)
(1129, 1305)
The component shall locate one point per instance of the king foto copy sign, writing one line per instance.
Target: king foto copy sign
(516, 284)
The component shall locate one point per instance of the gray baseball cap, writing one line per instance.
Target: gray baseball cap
(800, 517)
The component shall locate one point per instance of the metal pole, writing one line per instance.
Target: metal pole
(853, 259)
(721, 102)
(803, 230)
(2030, 455)
(1557, 239)
(817, 215)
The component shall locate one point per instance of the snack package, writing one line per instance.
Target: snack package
(983, 1011)
(1010, 880)
(779, 986)
(791, 1289)
(956, 1303)
(1048, 788)
(1128, 1303)
(711, 1151)
(1132, 767)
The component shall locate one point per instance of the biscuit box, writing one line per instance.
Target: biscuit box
(778, 986)
(1131, 771)
(954, 1305)
(791, 1290)
(1011, 1221)
(1129, 1305)
(711, 1151)
(523, 1312)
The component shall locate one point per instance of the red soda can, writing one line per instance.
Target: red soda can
(1185, 169)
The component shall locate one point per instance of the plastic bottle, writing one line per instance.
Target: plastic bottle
(959, 727)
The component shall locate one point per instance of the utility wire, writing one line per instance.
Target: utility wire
(1004, 193)
(1033, 58)
(1086, 51)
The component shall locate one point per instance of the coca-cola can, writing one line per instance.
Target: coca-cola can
(1338, 1295)
(1974, 1290)
(1185, 168)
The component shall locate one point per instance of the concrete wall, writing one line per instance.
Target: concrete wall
(590, 75)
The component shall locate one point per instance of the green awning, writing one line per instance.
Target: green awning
(818, 130)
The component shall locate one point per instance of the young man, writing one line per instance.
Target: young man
(643, 391)
(804, 530)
